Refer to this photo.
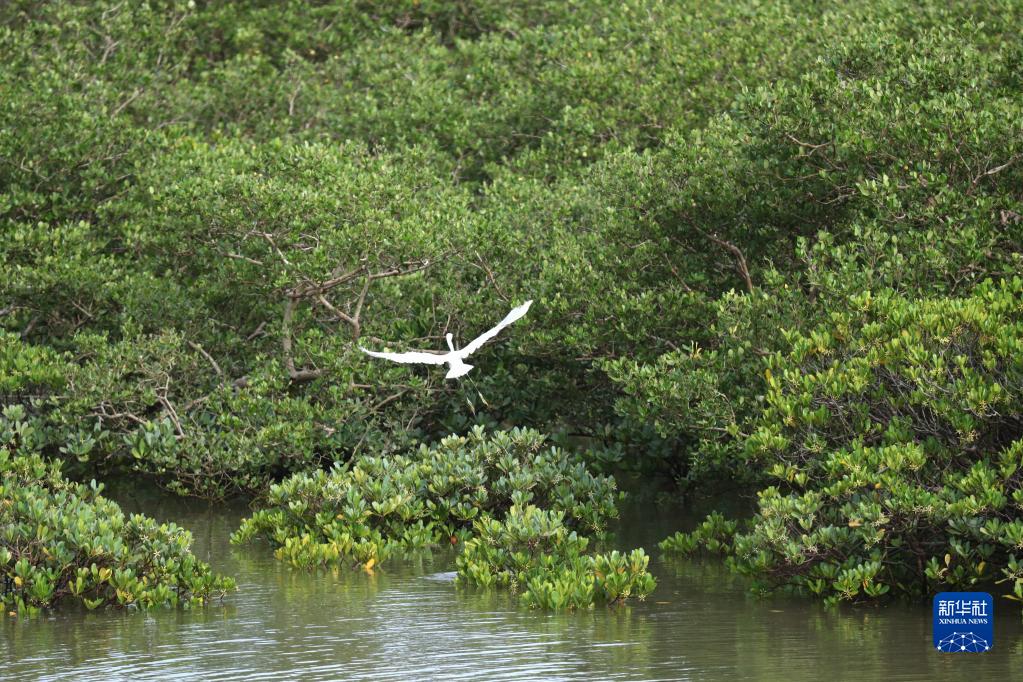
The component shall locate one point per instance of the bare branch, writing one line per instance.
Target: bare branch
(121, 107)
(318, 290)
(101, 412)
(239, 256)
(490, 275)
(389, 399)
(310, 289)
(997, 169)
(31, 325)
(173, 414)
(257, 331)
(206, 355)
(340, 314)
(280, 254)
(740, 259)
(289, 360)
(356, 323)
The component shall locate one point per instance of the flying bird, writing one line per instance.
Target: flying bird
(454, 358)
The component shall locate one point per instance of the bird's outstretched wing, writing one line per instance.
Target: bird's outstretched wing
(476, 343)
(410, 357)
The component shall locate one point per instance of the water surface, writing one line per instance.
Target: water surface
(408, 621)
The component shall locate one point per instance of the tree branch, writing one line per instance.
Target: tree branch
(740, 259)
(289, 361)
(318, 290)
(206, 355)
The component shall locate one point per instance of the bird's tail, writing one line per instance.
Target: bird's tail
(458, 371)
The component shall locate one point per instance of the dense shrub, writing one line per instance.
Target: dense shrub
(714, 535)
(364, 511)
(210, 186)
(28, 372)
(893, 434)
(533, 551)
(892, 163)
(63, 541)
(701, 399)
(914, 144)
(217, 408)
(206, 206)
(525, 512)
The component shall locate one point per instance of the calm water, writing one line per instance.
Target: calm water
(408, 621)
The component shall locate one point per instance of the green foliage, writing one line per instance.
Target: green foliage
(237, 194)
(701, 401)
(364, 511)
(714, 534)
(28, 371)
(903, 139)
(531, 549)
(206, 208)
(893, 434)
(518, 506)
(63, 541)
(865, 163)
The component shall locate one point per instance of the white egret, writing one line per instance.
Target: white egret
(455, 357)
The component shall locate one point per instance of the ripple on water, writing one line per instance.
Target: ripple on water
(409, 621)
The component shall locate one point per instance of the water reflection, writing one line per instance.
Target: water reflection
(408, 621)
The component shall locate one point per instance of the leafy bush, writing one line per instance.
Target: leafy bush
(212, 186)
(364, 511)
(206, 207)
(862, 165)
(519, 508)
(214, 409)
(531, 549)
(894, 141)
(700, 401)
(714, 534)
(27, 371)
(893, 432)
(63, 541)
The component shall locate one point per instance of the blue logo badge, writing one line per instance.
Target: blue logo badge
(964, 622)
